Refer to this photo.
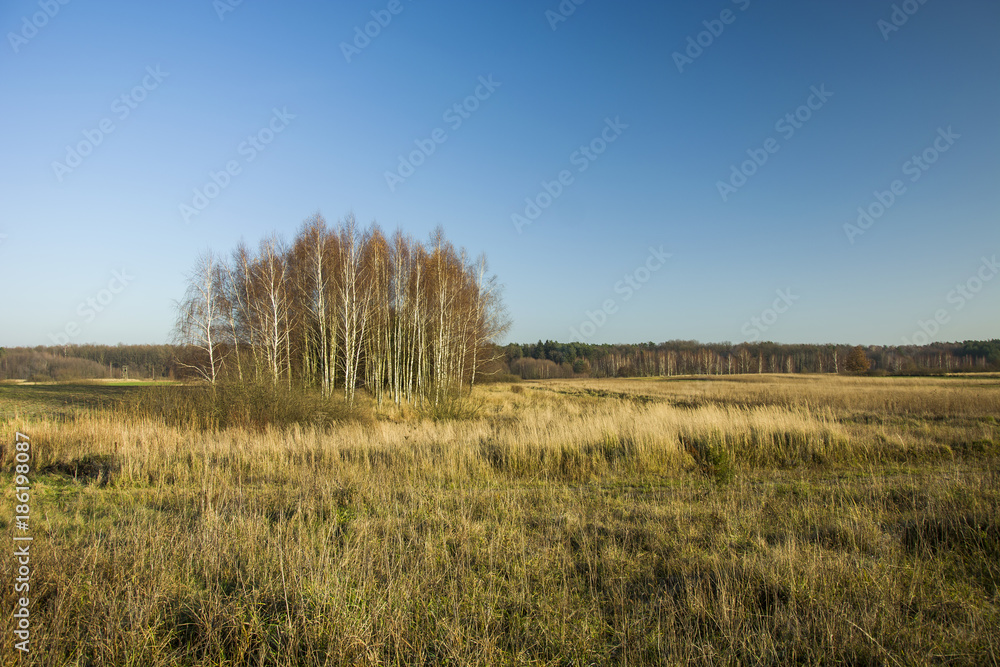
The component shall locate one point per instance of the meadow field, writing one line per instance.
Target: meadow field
(751, 520)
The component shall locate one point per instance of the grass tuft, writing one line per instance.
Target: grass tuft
(756, 520)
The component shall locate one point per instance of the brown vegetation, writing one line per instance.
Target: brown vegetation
(753, 520)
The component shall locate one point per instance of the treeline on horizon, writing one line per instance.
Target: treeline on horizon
(539, 360)
(689, 357)
(90, 361)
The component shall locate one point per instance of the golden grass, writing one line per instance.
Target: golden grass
(881, 397)
(763, 520)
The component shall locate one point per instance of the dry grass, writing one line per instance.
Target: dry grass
(764, 520)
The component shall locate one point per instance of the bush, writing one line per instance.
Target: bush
(253, 406)
(711, 458)
(857, 360)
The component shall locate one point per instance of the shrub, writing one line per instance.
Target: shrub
(249, 405)
(857, 360)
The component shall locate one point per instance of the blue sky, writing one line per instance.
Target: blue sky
(200, 77)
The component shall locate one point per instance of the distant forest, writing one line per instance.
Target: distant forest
(547, 359)
(83, 362)
(689, 357)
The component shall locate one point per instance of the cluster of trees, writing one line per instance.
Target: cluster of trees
(982, 353)
(340, 308)
(553, 359)
(80, 362)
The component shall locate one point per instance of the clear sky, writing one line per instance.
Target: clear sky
(114, 113)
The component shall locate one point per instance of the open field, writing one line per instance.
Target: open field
(29, 399)
(731, 520)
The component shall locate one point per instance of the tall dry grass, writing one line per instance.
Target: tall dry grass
(610, 522)
(859, 396)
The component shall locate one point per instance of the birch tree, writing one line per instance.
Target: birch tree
(200, 322)
(343, 309)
